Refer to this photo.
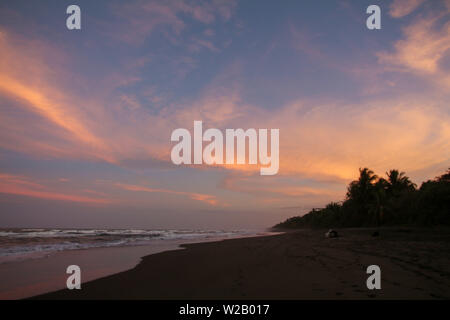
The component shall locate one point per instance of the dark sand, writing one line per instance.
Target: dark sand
(22, 279)
(415, 264)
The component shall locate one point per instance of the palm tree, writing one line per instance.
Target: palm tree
(362, 196)
(398, 183)
(379, 200)
(397, 188)
(360, 190)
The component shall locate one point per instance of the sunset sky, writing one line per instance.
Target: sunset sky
(86, 115)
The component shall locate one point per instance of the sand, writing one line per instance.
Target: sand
(22, 279)
(415, 264)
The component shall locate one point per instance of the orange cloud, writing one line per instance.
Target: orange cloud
(28, 80)
(258, 186)
(401, 8)
(210, 199)
(329, 141)
(425, 44)
(49, 109)
(380, 134)
(19, 185)
(58, 123)
(318, 139)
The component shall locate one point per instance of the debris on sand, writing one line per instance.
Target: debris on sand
(331, 234)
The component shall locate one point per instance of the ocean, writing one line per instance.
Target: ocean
(34, 261)
(20, 244)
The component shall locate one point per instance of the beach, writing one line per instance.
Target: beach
(303, 264)
(31, 277)
(34, 261)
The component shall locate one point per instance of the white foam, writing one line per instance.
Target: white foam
(19, 244)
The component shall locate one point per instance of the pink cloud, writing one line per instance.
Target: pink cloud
(22, 186)
(401, 8)
(209, 199)
(421, 50)
(144, 17)
(318, 137)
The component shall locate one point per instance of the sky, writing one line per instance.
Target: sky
(86, 115)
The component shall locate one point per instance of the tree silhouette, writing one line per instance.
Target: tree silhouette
(397, 182)
(445, 177)
(374, 201)
(361, 190)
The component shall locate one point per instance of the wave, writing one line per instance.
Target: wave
(35, 242)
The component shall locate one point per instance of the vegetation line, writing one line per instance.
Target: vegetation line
(375, 201)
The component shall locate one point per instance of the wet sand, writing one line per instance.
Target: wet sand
(22, 279)
(415, 264)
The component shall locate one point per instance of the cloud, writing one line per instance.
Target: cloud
(22, 186)
(144, 17)
(326, 140)
(197, 44)
(401, 8)
(424, 45)
(319, 139)
(280, 188)
(30, 82)
(49, 109)
(206, 198)
(42, 116)
(303, 41)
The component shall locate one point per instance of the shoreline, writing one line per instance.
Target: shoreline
(26, 278)
(44, 273)
(301, 264)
